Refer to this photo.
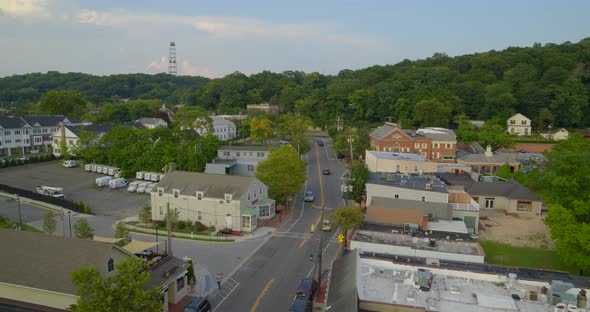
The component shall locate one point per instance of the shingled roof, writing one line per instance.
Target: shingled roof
(11, 122)
(382, 131)
(49, 120)
(212, 185)
(46, 262)
(509, 189)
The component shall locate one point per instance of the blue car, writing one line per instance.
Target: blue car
(198, 304)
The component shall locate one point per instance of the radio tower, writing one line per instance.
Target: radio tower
(172, 59)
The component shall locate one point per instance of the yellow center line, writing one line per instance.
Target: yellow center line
(317, 154)
(262, 295)
(303, 242)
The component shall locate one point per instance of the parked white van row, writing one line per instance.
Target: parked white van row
(149, 176)
(141, 186)
(113, 183)
(112, 171)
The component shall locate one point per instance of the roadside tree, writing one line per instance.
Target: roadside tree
(261, 129)
(49, 223)
(283, 172)
(82, 229)
(347, 218)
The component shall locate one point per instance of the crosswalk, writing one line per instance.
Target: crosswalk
(218, 296)
(292, 235)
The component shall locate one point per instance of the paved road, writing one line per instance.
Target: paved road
(268, 280)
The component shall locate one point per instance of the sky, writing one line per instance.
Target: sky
(216, 38)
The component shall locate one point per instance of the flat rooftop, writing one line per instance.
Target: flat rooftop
(423, 243)
(410, 181)
(398, 156)
(458, 291)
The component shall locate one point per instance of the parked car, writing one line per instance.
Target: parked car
(307, 288)
(117, 183)
(142, 186)
(326, 226)
(23, 158)
(301, 305)
(308, 196)
(150, 187)
(340, 156)
(284, 142)
(198, 304)
(326, 171)
(69, 163)
(103, 181)
(321, 143)
(133, 186)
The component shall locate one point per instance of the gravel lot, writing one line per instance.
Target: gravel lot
(78, 185)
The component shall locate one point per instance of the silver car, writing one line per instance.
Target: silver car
(308, 196)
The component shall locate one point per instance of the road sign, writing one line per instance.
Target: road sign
(341, 238)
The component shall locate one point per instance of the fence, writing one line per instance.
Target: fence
(68, 204)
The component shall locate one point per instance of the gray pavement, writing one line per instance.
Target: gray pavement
(269, 279)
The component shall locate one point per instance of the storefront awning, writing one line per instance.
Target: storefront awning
(106, 239)
(138, 246)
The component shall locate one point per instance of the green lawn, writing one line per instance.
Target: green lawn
(497, 253)
(7, 224)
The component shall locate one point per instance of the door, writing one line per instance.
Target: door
(228, 224)
(489, 203)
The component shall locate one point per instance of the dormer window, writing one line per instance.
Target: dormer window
(228, 198)
(199, 195)
(111, 265)
(160, 191)
(176, 193)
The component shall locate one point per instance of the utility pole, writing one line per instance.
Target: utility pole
(350, 140)
(70, 221)
(321, 246)
(168, 225)
(20, 221)
(63, 222)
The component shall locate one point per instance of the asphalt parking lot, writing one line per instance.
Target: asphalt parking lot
(78, 185)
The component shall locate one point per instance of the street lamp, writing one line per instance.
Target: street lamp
(20, 222)
(70, 221)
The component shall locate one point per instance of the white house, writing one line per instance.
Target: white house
(71, 135)
(152, 123)
(238, 160)
(559, 134)
(225, 202)
(220, 127)
(519, 125)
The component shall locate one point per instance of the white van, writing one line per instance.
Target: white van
(139, 175)
(103, 181)
(150, 187)
(97, 168)
(133, 186)
(105, 169)
(155, 177)
(88, 167)
(69, 163)
(147, 176)
(117, 183)
(142, 186)
(113, 171)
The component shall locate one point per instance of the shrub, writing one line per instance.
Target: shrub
(199, 227)
(160, 223)
(145, 215)
(86, 209)
(180, 225)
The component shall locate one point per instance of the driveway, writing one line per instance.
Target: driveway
(78, 185)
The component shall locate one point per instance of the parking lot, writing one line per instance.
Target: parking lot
(78, 185)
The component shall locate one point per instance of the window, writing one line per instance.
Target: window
(176, 211)
(416, 145)
(16, 132)
(435, 145)
(512, 121)
(111, 265)
(396, 196)
(7, 141)
(199, 195)
(448, 157)
(38, 140)
(424, 145)
(176, 193)
(71, 142)
(250, 154)
(489, 203)
(160, 191)
(526, 130)
(6, 132)
(16, 140)
(226, 154)
(449, 145)
(250, 168)
(423, 198)
(264, 211)
(237, 153)
(511, 130)
(56, 141)
(199, 215)
(260, 154)
(523, 122)
(227, 198)
(27, 131)
(180, 283)
(246, 222)
(161, 210)
(524, 206)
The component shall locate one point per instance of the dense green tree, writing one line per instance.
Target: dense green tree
(125, 290)
(121, 230)
(261, 129)
(432, 113)
(494, 135)
(504, 171)
(347, 218)
(360, 175)
(63, 102)
(82, 229)
(283, 172)
(49, 222)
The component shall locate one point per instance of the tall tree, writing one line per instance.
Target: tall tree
(347, 218)
(283, 172)
(82, 229)
(49, 222)
(432, 113)
(123, 291)
(261, 129)
(494, 135)
(63, 102)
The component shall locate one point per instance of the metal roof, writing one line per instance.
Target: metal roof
(212, 185)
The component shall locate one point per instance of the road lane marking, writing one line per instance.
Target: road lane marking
(262, 295)
(228, 294)
(317, 154)
(303, 242)
(303, 202)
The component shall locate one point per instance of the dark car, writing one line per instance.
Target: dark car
(340, 155)
(321, 143)
(326, 171)
(301, 305)
(198, 304)
(306, 289)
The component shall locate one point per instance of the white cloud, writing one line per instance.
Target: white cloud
(24, 8)
(192, 70)
(162, 63)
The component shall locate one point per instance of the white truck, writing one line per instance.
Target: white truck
(150, 187)
(139, 175)
(51, 191)
(114, 171)
(97, 168)
(133, 186)
(142, 186)
(70, 163)
(105, 169)
(103, 181)
(155, 177)
(88, 167)
(117, 183)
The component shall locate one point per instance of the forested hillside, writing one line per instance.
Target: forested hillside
(550, 84)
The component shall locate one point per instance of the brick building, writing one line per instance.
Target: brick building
(435, 144)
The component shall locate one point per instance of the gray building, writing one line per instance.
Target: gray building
(239, 160)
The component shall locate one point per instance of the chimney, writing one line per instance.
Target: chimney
(171, 167)
(488, 152)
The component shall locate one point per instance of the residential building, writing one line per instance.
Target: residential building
(519, 125)
(509, 195)
(398, 162)
(70, 135)
(220, 127)
(435, 144)
(37, 274)
(240, 160)
(30, 134)
(388, 189)
(152, 123)
(489, 162)
(556, 135)
(363, 282)
(225, 202)
(265, 107)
